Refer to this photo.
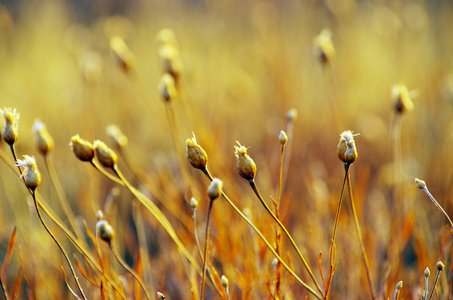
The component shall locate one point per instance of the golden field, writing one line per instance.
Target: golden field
(247, 71)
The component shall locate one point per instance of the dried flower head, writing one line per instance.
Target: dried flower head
(105, 231)
(43, 139)
(401, 98)
(282, 138)
(215, 189)
(346, 149)
(122, 53)
(106, 156)
(117, 137)
(10, 132)
(323, 47)
(167, 89)
(420, 184)
(440, 266)
(82, 149)
(196, 156)
(30, 173)
(245, 165)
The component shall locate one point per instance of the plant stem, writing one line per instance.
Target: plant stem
(307, 267)
(132, 272)
(362, 246)
(59, 246)
(309, 289)
(425, 189)
(205, 249)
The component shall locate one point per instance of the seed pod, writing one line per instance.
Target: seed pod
(323, 47)
(346, 149)
(82, 149)
(193, 203)
(106, 156)
(427, 273)
(116, 136)
(105, 231)
(10, 132)
(420, 184)
(401, 98)
(196, 156)
(31, 175)
(43, 139)
(215, 189)
(440, 266)
(245, 165)
(283, 138)
(167, 89)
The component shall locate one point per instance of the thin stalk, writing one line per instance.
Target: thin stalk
(425, 189)
(362, 246)
(307, 287)
(62, 198)
(3, 288)
(434, 286)
(334, 233)
(59, 246)
(307, 267)
(132, 272)
(205, 255)
(278, 240)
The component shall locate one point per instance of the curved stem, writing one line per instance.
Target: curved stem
(59, 246)
(309, 289)
(425, 189)
(307, 267)
(132, 272)
(434, 286)
(205, 249)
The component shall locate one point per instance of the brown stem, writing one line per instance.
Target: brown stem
(205, 249)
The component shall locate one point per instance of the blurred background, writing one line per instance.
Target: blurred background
(245, 64)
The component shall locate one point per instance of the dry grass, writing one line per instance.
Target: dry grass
(246, 64)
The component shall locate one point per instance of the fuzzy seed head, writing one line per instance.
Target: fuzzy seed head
(245, 165)
(160, 296)
(193, 203)
(215, 189)
(420, 184)
(30, 173)
(196, 156)
(116, 136)
(427, 273)
(105, 231)
(82, 149)
(43, 139)
(224, 281)
(106, 156)
(346, 149)
(121, 52)
(10, 132)
(401, 98)
(283, 138)
(167, 88)
(323, 47)
(440, 266)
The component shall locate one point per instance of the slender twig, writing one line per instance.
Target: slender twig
(205, 255)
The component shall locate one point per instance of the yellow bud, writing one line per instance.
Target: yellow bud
(420, 184)
(160, 296)
(215, 189)
(323, 47)
(122, 53)
(106, 156)
(196, 156)
(82, 149)
(427, 273)
(224, 281)
(245, 165)
(10, 132)
(167, 88)
(401, 98)
(283, 138)
(346, 148)
(116, 136)
(43, 139)
(193, 203)
(440, 266)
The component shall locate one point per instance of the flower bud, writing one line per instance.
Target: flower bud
(245, 165)
(193, 203)
(10, 132)
(171, 61)
(440, 266)
(117, 137)
(420, 184)
(105, 231)
(215, 189)
(99, 215)
(122, 53)
(291, 114)
(30, 173)
(43, 139)
(167, 89)
(106, 156)
(427, 273)
(346, 149)
(224, 281)
(82, 149)
(323, 47)
(160, 296)
(399, 285)
(283, 138)
(165, 37)
(196, 156)
(401, 98)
